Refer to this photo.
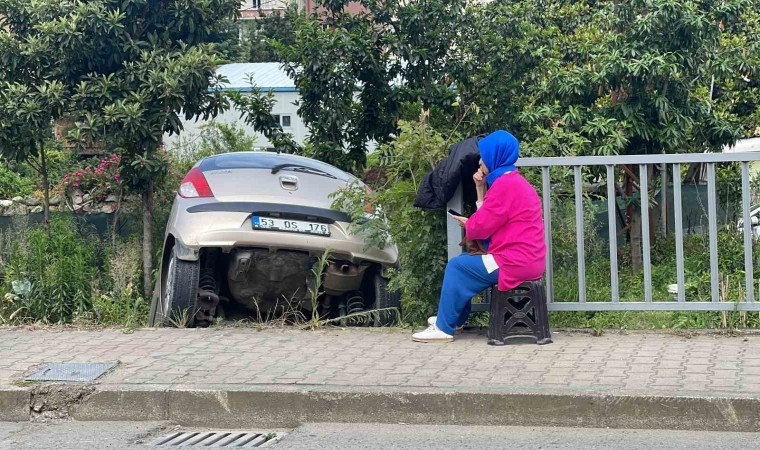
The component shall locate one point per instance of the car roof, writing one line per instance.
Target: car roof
(267, 160)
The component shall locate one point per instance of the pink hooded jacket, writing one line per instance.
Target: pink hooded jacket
(511, 218)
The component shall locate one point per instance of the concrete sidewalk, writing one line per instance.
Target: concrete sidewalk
(286, 377)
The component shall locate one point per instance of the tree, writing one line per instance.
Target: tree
(125, 69)
(570, 78)
(259, 35)
(737, 92)
(151, 64)
(636, 78)
(356, 72)
(32, 89)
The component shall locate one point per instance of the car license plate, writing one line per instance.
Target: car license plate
(294, 226)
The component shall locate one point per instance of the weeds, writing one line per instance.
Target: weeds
(315, 286)
(361, 318)
(122, 304)
(54, 278)
(181, 318)
(285, 312)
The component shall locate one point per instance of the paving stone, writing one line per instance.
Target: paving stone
(665, 381)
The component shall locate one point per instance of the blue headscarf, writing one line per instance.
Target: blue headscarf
(499, 152)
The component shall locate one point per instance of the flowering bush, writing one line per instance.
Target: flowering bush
(98, 182)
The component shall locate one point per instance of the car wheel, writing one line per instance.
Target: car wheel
(175, 304)
(385, 299)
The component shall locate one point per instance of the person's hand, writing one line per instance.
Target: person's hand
(479, 179)
(462, 221)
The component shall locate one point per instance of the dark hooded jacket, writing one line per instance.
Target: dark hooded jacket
(439, 186)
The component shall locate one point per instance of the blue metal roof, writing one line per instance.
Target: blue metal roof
(266, 76)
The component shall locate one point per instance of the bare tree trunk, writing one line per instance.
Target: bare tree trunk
(45, 188)
(634, 224)
(114, 225)
(147, 247)
(637, 259)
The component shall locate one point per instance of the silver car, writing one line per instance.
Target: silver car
(246, 233)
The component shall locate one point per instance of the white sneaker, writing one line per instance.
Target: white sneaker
(433, 319)
(432, 335)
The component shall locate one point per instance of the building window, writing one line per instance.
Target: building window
(283, 120)
(256, 4)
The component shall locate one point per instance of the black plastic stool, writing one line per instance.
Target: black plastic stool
(519, 312)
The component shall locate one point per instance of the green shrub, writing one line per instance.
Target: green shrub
(12, 183)
(420, 234)
(49, 277)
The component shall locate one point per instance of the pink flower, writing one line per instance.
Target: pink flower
(116, 177)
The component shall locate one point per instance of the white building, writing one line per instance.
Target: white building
(267, 77)
(744, 146)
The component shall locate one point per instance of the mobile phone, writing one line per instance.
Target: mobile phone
(455, 213)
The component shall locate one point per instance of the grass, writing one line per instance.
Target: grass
(181, 318)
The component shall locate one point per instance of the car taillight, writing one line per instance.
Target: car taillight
(195, 185)
(368, 206)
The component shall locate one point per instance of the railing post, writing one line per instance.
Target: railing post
(748, 231)
(579, 235)
(678, 224)
(712, 218)
(612, 218)
(646, 247)
(547, 198)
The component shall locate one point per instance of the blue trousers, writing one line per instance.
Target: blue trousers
(465, 277)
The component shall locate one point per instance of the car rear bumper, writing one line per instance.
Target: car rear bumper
(231, 228)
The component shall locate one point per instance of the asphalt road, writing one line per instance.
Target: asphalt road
(134, 436)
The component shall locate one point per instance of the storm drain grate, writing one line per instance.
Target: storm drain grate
(218, 439)
(71, 372)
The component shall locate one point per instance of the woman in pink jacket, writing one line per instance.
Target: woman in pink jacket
(510, 223)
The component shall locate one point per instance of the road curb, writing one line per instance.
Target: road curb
(287, 407)
(14, 405)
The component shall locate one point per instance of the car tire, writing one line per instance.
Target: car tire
(385, 299)
(175, 304)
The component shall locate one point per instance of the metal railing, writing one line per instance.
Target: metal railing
(643, 162)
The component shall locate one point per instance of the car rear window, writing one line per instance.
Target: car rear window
(267, 160)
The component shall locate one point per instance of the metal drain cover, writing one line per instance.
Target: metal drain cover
(71, 371)
(218, 439)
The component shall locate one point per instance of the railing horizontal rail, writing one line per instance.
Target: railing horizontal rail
(654, 306)
(683, 158)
